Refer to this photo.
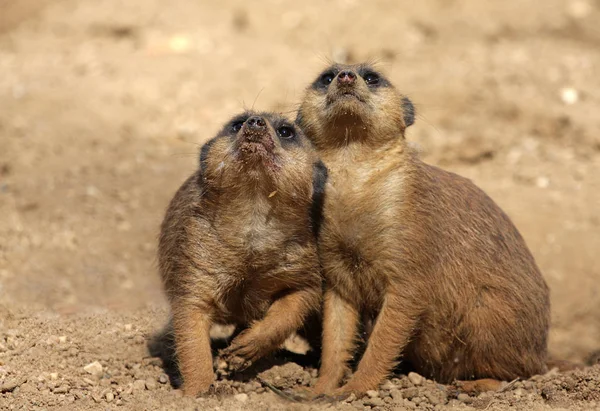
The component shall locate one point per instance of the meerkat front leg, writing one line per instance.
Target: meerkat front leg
(286, 315)
(192, 344)
(340, 326)
(393, 328)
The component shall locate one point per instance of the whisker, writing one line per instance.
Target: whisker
(256, 98)
(182, 155)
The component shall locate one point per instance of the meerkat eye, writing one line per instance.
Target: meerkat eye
(372, 79)
(327, 78)
(237, 126)
(285, 132)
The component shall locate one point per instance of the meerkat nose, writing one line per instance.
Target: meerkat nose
(256, 123)
(346, 77)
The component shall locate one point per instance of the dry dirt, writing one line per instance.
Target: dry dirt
(103, 105)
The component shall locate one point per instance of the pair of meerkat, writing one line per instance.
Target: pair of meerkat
(448, 280)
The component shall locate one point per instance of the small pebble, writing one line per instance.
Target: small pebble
(109, 396)
(53, 339)
(54, 376)
(350, 398)
(433, 399)
(150, 384)
(94, 368)
(463, 397)
(241, 397)
(372, 394)
(388, 385)
(163, 378)
(252, 386)
(415, 378)
(410, 393)
(569, 95)
(63, 389)
(409, 404)
(374, 402)
(128, 327)
(139, 385)
(12, 384)
(397, 397)
(62, 339)
(542, 182)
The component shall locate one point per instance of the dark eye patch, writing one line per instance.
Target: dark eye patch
(235, 124)
(372, 77)
(325, 79)
(288, 133)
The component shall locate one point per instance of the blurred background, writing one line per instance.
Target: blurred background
(104, 103)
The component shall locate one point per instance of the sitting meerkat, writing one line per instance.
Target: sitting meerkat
(447, 277)
(238, 243)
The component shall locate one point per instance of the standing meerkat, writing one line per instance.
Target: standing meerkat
(238, 243)
(443, 271)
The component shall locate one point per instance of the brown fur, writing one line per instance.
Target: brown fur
(237, 245)
(450, 280)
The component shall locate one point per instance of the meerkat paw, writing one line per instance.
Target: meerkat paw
(236, 363)
(241, 353)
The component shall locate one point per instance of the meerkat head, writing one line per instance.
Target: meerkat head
(258, 150)
(348, 103)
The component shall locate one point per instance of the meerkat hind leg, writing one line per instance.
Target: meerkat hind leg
(340, 326)
(192, 344)
(390, 335)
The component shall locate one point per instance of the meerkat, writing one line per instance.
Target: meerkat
(238, 243)
(449, 280)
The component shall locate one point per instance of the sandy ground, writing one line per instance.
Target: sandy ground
(103, 105)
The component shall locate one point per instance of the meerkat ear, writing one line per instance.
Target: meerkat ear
(409, 112)
(318, 197)
(299, 119)
(204, 155)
